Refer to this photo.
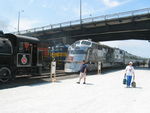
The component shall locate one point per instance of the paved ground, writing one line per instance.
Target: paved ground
(103, 93)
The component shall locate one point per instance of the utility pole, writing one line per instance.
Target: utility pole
(80, 11)
(19, 19)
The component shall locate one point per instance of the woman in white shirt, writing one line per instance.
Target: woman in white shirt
(129, 71)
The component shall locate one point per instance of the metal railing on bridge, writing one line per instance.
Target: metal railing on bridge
(87, 20)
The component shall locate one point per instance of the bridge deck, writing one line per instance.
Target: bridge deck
(121, 17)
(118, 26)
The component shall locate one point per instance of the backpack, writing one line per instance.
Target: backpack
(133, 84)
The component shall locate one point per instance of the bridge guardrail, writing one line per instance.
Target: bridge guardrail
(87, 20)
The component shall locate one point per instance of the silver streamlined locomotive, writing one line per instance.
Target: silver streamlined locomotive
(93, 53)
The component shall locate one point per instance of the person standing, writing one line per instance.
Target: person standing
(83, 71)
(129, 72)
(149, 63)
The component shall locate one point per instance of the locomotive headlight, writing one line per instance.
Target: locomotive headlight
(70, 58)
(78, 48)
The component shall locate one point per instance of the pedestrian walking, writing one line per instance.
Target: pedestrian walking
(83, 71)
(130, 75)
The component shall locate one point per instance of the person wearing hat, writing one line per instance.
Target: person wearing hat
(129, 72)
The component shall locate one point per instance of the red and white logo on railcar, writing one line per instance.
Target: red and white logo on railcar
(24, 59)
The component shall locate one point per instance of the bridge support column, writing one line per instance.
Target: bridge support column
(53, 71)
(99, 68)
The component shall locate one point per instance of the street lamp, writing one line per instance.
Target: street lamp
(19, 18)
(80, 11)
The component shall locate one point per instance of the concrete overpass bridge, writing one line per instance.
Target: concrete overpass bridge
(119, 26)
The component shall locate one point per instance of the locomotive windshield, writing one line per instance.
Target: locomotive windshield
(77, 52)
(86, 43)
(81, 43)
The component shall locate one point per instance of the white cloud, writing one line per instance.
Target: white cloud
(111, 3)
(105, 5)
(27, 24)
(65, 9)
(127, 43)
(3, 25)
(48, 4)
(31, 2)
(87, 11)
(136, 47)
(45, 4)
(24, 24)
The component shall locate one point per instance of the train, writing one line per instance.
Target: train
(58, 53)
(93, 52)
(19, 55)
(24, 55)
(51, 53)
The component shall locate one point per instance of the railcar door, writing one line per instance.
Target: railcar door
(27, 55)
(34, 55)
(24, 56)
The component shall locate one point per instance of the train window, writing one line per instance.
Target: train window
(94, 45)
(99, 47)
(116, 56)
(75, 44)
(77, 52)
(21, 46)
(25, 47)
(86, 43)
(5, 47)
(121, 52)
(78, 42)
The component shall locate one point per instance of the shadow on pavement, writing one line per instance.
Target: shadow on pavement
(89, 84)
(105, 71)
(25, 81)
(142, 68)
(138, 88)
(41, 80)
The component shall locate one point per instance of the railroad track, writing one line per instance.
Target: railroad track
(29, 80)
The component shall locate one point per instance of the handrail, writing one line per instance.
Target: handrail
(87, 20)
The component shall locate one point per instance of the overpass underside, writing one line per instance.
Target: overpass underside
(131, 27)
(113, 30)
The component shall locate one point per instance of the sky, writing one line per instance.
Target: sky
(38, 13)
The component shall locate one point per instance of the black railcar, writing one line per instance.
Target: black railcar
(19, 55)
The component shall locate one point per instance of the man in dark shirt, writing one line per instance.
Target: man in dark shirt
(83, 71)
